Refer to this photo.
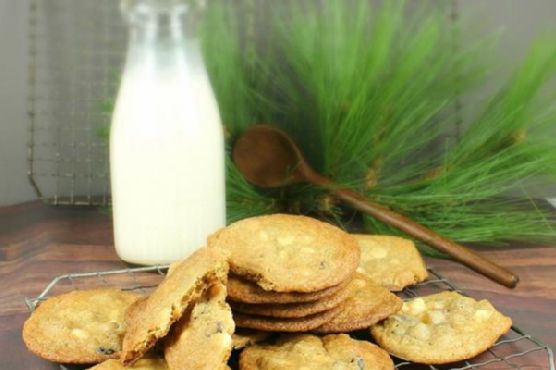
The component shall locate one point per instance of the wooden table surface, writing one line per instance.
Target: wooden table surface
(37, 243)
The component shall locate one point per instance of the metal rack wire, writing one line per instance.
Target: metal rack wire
(515, 350)
(76, 52)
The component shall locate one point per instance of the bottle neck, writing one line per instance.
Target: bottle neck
(160, 26)
(161, 42)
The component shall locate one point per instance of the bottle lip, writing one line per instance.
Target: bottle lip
(158, 6)
(161, 14)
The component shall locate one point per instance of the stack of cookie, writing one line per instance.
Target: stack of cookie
(297, 274)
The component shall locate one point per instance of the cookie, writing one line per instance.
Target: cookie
(171, 298)
(441, 328)
(81, 327)
(285, 325)
(310, 352)
(143, 364)
(203, 339)
(240, 290)
(293, 310)
(390, 261)
(133, 310)
(172, 267)
(287, 253)
(366, 305)
(246, 337)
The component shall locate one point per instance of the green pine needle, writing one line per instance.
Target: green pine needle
(368, 93)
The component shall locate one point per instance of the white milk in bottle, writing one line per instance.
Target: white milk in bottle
(166, 140)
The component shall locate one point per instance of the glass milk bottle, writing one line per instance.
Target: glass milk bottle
(166, 139)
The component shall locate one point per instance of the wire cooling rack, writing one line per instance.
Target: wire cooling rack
(515, 350)
(76, 53)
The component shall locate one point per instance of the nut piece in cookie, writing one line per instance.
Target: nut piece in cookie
(366, 305)
(390, 261)
(185, 285)
(441, 328)
(287, 253)
(143, 364)
(316, 353)
(241, 290)
(81, 327)
(202, 340)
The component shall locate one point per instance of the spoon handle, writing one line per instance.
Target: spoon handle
(460, 253)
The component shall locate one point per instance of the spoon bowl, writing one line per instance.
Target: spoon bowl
(268, 158)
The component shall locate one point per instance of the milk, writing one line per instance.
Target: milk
(166, 149)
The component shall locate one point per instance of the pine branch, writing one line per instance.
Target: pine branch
(367, 94)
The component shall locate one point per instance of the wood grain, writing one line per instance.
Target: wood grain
(38, 243)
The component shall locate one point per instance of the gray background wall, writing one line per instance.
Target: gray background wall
(521, 20)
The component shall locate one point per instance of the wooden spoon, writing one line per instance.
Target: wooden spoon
(269, 158)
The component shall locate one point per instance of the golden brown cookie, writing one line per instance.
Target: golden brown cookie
(240, 290)
(366, 305)
(285, 325)
(81, 327)
(167, 303)
(133, 310)
(310, 352)
(143, 364)
(390, 261)
(247, 337)
(293, 310)
(441, 328)
(172, 267)
(287, 253)
(203, 339)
